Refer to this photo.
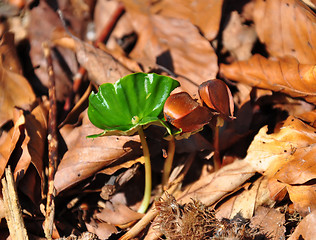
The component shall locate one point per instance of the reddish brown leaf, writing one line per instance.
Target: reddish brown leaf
(287, 28)
(285, 75)
(87, 156)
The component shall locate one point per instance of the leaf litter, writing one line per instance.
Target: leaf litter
(268, 151)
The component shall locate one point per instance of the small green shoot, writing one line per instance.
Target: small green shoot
(128, 106)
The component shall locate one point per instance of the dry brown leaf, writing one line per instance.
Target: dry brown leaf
(119, 215)
(306, 228)
(102, 230)
(270, 221)
(285, 75)
(288, 155)
(247, 202)
(43, 20)
(87, 156)
(173, 43)
(30, 131)
(268, 152)
(212, 187)
(101, 66)
(287, 28)
(198, 12)
(15, 91)
(9, 142)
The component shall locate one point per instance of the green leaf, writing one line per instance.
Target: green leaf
(133, 101)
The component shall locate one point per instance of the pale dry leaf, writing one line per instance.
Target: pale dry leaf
(284, 75)
(306, 228)
(239, 38)
(212, 187)
(303, 197)
(101, 229)
(268, 152)
(248, 201)
(87, 156)
(287, 158)
(287, 28)
(197, 11)
(119, 215)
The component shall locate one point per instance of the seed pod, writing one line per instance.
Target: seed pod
(216, 95)
(185, 113)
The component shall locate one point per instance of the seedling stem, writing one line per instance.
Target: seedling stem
(147, 194)
(217, 157)
(168, 162)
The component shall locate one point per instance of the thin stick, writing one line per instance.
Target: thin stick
(147, 194)
(52, 145)
(168, 162)
(13, 213)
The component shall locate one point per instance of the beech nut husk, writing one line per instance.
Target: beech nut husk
(185, 113)
(216, 95)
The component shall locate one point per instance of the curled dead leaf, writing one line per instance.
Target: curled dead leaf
(285, 75)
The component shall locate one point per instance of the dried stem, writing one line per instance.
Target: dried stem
(13, 212)
(52, 145)
(147, 194)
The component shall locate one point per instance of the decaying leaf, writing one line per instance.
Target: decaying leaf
(87, 156)
(285, 75)
(287, 28)
(15, 91)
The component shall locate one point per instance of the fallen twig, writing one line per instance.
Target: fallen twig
(12, 206)
(52, 145)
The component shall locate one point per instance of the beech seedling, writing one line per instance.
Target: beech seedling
(128, 106)
(189, 116)
(216, 95)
